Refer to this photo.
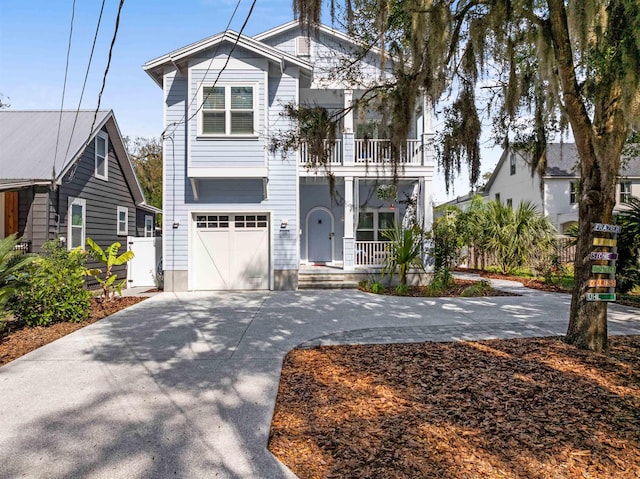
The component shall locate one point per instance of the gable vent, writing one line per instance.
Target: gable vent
(303, 46)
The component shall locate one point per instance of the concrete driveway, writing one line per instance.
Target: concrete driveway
(184, 385)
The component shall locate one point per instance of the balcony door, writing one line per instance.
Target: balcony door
(320, 236)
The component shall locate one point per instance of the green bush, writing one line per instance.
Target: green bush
(12, 262)
(402, 289)
(377, 288)
(481, 288)
(53, 288)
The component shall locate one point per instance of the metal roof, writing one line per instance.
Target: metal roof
(562, 160)
(28, 141)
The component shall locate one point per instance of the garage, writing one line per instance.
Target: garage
(229, 251)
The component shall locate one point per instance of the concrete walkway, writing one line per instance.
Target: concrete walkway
(184, 385)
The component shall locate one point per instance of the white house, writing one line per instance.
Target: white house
(238, 216)
(556, 193)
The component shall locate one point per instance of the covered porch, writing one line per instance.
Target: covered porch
(342, 226)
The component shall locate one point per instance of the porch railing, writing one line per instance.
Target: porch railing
(379, 151)
(23, 246)
(371, 253)
(333, 153)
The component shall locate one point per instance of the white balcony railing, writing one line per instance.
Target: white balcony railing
(371, 253)
(333, 153)
(379, 151)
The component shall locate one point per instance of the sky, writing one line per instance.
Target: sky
(34, 39)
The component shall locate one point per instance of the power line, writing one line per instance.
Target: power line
(64, 88)
(246, 20)
(106, 70)
(86, 76)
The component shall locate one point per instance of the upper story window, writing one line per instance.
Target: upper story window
(497, 196)
(123, 221)
(102, 155)
(512, 164)
(228, 110)
(574, 188)
(509, 203)
(625, 191)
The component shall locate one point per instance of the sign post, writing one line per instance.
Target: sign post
(603, 285)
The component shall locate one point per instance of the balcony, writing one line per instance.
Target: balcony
(357, 156)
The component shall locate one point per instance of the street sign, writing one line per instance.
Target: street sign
(602, 283)
(604, 242)
(601, 255)
(602, 269)
(601, 296)
(605, 228)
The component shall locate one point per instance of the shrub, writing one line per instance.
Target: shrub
(12, 262)
(377, 288)
(53, 288)
(439, 284)
(481, 288)
(402, 289)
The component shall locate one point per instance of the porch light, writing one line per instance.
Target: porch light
(392, 207)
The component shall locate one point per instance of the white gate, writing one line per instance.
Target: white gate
(141, 270)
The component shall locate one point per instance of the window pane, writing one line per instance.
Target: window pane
(213, 122)
(213, 98)
(122, 215)
(241, 122)
(364, 235)
(385, 221)
(100, 164)
(76, 215)
(241, 98)
(101, 145)
(76, 237)
(365, 220)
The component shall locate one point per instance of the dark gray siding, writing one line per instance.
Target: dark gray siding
(140, 214)
(102, 200)
(33, 203)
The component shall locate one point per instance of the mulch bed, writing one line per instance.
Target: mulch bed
(524, 408)
(454, 290)
(17, 339)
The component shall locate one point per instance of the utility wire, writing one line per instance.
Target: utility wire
(64, 88)
(86, 76)
(106, 70)
(246, 20)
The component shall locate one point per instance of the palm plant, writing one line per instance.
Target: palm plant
(11, 263)
(405, 248)
(628, 265)
(471, 226)
(109, 258)
(515, 235)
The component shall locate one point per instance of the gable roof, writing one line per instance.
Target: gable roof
(154, 67)
(28, 144)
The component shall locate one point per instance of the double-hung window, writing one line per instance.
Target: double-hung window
(373, 224)
(102, 156)
(512, 164)
(228, 110)
(574, 188)
(148, 226)
(76, 223)
(123, 221)
(625, 191)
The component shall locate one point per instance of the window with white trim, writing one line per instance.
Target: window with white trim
(76, 223)
(625, 191)
(372, 225)
(512, 164)
(228, 110)
(123, 221)
(148, 226)
(574, 188)
(102, 156)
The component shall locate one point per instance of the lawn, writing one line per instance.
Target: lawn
(525, 408)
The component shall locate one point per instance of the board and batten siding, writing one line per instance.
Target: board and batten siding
(102, 201)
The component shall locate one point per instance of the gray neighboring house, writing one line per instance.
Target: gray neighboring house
(61, 178)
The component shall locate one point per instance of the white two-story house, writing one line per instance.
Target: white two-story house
(238, 215)
(556, 192)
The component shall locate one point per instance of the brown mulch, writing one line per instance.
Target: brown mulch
(523, 408)
(17, 339)
(455, 289)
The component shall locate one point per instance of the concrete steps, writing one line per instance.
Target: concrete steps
(325, 281)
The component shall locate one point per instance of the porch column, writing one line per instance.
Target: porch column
(348, 242)
(425, 207)
(427, 130)
(348, 153)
